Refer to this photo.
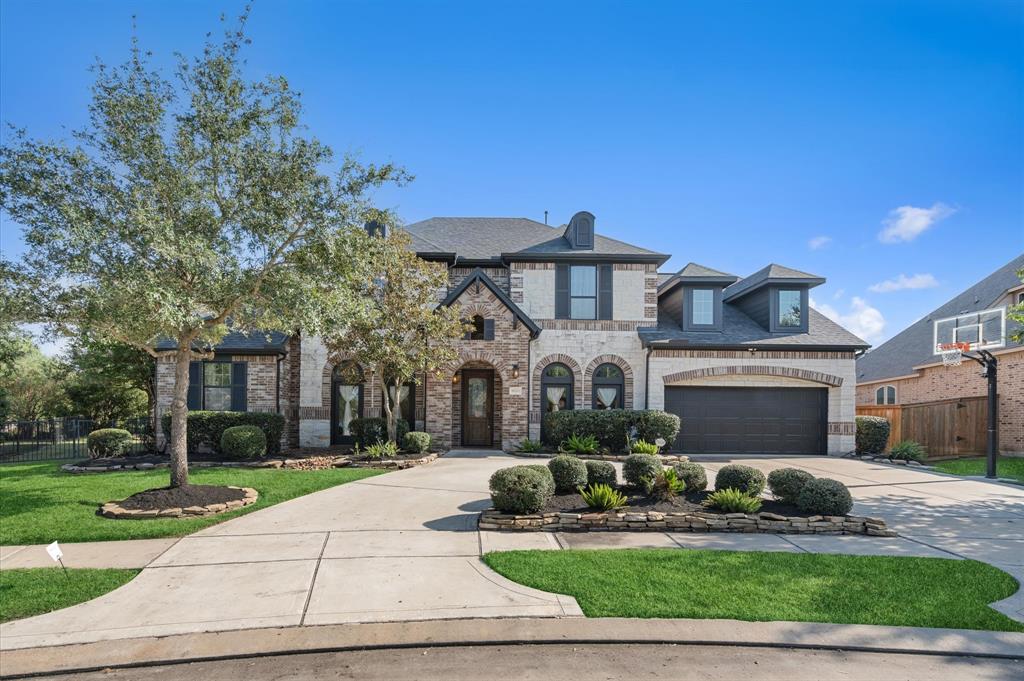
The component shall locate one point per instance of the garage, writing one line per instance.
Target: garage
(749, 420)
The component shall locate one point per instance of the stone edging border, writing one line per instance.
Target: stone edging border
(113, 509)
(763, 523)
(321, 462)
(665, 458)
(878, 458)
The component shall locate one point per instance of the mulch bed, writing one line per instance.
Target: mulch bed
(151, 457)
(639, 502)
(181, 497)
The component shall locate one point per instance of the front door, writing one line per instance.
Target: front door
(477, 407)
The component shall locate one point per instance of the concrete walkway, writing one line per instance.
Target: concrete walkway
(404, 546)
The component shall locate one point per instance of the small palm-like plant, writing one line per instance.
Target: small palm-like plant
(580, 444)
(528, 446)
(381, 450)
(733, 501)
(643, 447)
(603, 497)
(666, 485)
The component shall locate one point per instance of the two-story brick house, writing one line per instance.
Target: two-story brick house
(565, 318)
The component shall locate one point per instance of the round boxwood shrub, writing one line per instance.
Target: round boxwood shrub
(872, 434)
(693, 475)
(641, 469)
(825, 496)
(569, 472)
(109, 442)
(417, 442)
(601, 473)
(748, 480)
(787, 483)
(243, 442)
(521, 490)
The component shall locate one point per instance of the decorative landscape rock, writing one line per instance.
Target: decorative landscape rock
(301, 463)
(650, 521)
(665, 458)
(115, 510)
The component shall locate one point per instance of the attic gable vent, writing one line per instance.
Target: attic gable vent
(580, 232)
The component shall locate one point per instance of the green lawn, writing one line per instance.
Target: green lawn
(754, 586)
(24, 593)
(39, 503)
(1006, 467)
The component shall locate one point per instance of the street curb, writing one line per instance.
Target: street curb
(248, 643)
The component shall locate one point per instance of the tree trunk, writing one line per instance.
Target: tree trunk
(179, 417)
(389, 413)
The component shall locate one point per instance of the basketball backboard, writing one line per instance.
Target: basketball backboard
(983, 330)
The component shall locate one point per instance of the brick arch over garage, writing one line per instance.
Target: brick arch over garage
(754, 370)
(627, 375)
(538, 371)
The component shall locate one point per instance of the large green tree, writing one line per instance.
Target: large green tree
(398, 331)
(34, 386)
(188, 203)
(108, 380)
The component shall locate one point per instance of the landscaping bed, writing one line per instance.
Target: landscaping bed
(312, 459)
(178, 502)
(666, 459)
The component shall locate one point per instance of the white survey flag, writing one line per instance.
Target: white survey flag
(55, 552)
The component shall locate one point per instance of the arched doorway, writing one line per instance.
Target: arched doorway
(476, 401)
(346, 401)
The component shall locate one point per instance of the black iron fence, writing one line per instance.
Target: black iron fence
(63, 438)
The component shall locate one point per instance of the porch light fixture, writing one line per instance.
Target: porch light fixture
(455, 378)
(515, 371)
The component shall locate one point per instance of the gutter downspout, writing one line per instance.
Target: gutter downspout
(647, 378)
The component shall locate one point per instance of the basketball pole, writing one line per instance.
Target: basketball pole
(988, 361)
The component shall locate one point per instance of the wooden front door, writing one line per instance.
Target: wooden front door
(477, 407)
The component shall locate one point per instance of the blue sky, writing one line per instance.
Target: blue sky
(879, 144)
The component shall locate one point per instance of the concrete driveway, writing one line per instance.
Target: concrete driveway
(404, 546)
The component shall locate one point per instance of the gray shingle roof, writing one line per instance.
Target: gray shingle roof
(913, 346)
(740, 330)
(489, 238)
(772, 274)
(235, 341)
(695, 273)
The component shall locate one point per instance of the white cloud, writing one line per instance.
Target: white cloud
(861, 320)
(838, 294)
(819, 242)
(903, 282)
(906, 223)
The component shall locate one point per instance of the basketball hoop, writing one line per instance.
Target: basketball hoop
(953, 353)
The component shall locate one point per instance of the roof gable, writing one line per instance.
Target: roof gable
(478, 276)
(771, 275)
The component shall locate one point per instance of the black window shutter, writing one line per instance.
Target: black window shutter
(488, 329)
(238, 385)
(194, 401)
(561, 291)
(604, 292)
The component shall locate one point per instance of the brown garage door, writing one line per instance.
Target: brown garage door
(749, 420)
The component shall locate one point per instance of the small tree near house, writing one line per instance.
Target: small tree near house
(1016, 313)
(398, 330)
(186, 205)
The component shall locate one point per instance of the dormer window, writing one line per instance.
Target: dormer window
(702, 306)
(790, 309)
(580, 233)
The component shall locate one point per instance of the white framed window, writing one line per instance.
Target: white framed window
(790, 309)
(217, 386)
(885, 394)
(702, 307)
(583, 292)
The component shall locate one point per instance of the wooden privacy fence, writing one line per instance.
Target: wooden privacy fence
(946, 428)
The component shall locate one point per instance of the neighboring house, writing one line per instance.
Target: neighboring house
(565, 318)
(907, 370)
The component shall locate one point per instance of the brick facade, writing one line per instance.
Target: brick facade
(938, 382)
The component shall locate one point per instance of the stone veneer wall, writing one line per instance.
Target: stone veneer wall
(835, 371)
(937, 382)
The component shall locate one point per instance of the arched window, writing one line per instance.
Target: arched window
(478, 328)
(556, 388)
(885, 395)
(346, 400)
(608, 387)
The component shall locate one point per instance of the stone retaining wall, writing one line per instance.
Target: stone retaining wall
(665, 458)
(767, 523)
(113, 509)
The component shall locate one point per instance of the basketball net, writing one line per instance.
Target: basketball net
(953, 353)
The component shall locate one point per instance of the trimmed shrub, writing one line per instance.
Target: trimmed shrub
(521, 489)
(643, 447)
(601, 473)
(908, 450)
(731, 500)
(611, 427)
(824, 496)
(373, 429)
(568, 472)
(748, 480)
(639, 470)
(787, 483)
(693, 475)
(603, 498)
(417, 442)
(580, 444)
(243, 442)
(872, 434)
(109, 442)
(207, 428)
